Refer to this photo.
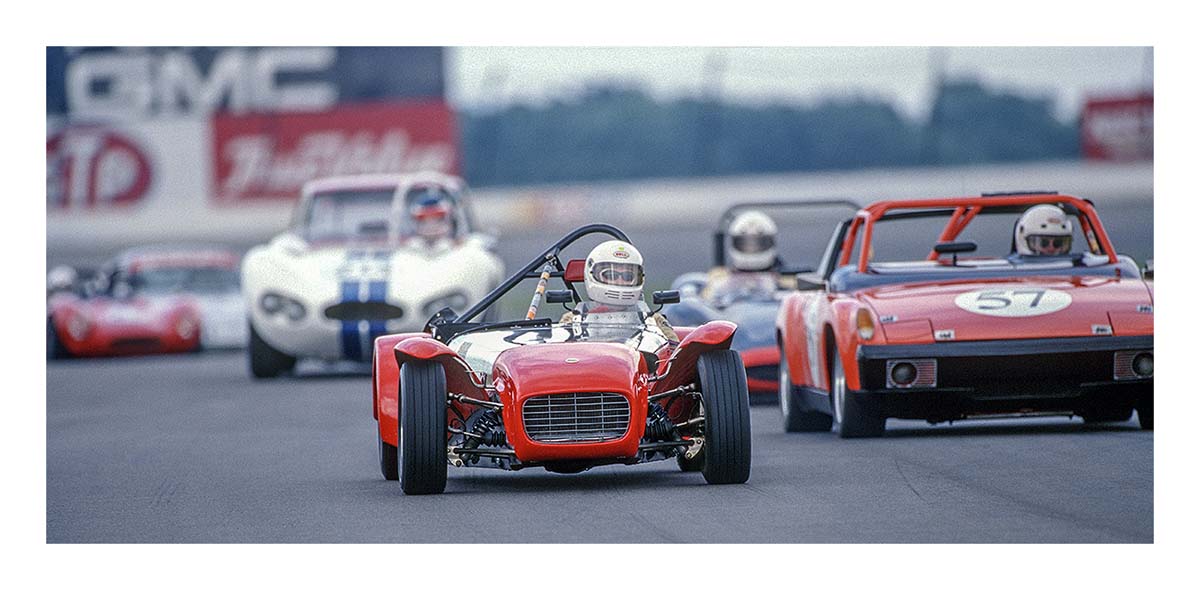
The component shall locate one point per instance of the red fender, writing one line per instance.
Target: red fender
(680, 368)
(394, 350)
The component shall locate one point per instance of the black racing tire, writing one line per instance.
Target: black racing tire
(797, 417)
(1145, 412)
(854, 415)
(54, 346)
(422, 428)
(1103, 415)
(726, 417)
(389, 460)
(691, 465)
(265, 361)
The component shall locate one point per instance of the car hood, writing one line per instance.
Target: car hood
(1028, 307)
(537, 369)
(756, 323)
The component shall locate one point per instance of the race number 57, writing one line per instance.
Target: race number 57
(1013, 302)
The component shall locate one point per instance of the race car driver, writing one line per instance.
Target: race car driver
(432, 219)
(1043, 230)
(752, 261)
(613, 279)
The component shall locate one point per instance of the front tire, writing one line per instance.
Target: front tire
(796, 416)
(54, 345)
(265, 361)
(726, 417)
(1145, 412)
(855, 416)
(691, 465)
(422, 428)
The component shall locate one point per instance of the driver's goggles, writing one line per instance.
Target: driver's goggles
(1056, 244)
(618, 274)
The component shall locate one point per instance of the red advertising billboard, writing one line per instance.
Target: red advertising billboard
(269, 156)
(1119, 128)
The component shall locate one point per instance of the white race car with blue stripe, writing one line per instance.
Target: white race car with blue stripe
(350, 269)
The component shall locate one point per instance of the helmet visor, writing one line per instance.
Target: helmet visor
(618, 274)
(1049, 245)
(753, 244)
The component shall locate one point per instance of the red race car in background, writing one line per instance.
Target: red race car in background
(565, 396)
(939, 334)
(133, 306)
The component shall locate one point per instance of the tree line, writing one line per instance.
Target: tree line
(619, 132)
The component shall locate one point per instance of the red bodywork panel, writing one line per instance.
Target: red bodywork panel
(104, 326)
(813, 325)
(541, 369)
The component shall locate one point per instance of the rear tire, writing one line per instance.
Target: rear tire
(422, 428)
(691, 465)
(1145, 411)
(265, 361)
(726, 417)
(856, 416)
(796, 416)
(388, 460)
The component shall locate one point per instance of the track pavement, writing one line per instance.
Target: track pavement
(190, 449)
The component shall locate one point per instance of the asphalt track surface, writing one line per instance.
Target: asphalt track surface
(190, 449)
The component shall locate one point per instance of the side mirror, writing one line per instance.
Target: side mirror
(560, 296)
(1148, 269)
(573, 273)
(665, 297)
(443, 316)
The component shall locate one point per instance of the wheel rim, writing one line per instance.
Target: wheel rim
(839, 391)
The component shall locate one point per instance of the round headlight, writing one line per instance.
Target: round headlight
(271, 303)
(294, 310)
(1143, 364)
(78, 326)
(185, 328)
(904, 374)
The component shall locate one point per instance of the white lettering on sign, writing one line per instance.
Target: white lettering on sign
(260, 166)
(1013, 303)
(136, 84)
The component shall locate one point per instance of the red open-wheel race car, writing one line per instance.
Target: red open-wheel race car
(943, 334)
(565, 396)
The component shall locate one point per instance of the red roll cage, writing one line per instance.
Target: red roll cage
(965, 210)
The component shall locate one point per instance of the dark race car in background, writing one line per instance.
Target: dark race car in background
(749, 299)
(945, 335)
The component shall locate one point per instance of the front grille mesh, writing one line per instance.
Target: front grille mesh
(576, 417)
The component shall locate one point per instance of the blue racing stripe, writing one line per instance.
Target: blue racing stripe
(351, 342)
(377, 292)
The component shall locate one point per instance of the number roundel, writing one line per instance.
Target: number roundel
(1013, 303)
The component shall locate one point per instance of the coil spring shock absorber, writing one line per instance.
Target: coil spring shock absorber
(659, 425)
(490, 430)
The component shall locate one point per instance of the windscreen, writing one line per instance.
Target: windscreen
(349, 215)
(204, 280)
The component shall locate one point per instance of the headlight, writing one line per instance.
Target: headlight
(866, 325)
(455, 301)
(78, 326)
(185, 328)
(274, 303)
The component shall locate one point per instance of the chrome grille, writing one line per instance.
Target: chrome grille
(576, 417)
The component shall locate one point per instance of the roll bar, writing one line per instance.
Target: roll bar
(532, 270)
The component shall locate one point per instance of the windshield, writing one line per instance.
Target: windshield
(349, 215)
(205, 280)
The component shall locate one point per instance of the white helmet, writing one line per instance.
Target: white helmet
(750, 243)
(1044, 230)
(614, 274)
